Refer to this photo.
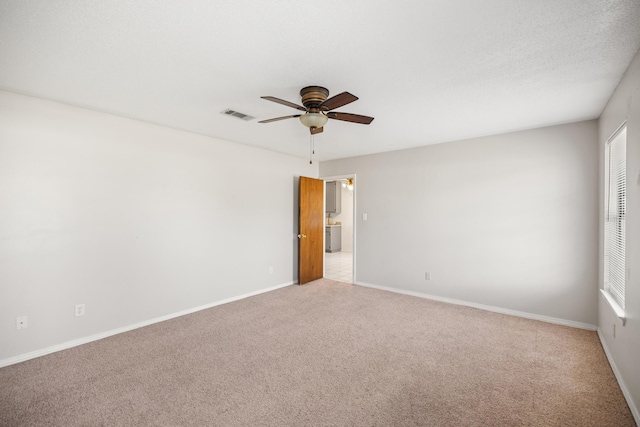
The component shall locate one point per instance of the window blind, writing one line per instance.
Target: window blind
(615, 215)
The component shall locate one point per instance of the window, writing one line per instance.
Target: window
(615, 212)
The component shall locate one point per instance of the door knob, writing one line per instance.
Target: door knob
(302, 236)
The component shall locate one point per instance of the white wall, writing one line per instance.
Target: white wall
(624, 349)
(134, 220)
(507, 221)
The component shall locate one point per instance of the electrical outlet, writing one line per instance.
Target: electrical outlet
(22, 322)
(79, 310)
(427, 276)
(270, 270)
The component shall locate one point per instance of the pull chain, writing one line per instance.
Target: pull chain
(312, 148)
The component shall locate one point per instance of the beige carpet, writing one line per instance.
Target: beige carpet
(324, 354)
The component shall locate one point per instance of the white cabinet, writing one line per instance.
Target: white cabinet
(334, 197)
(333, 238)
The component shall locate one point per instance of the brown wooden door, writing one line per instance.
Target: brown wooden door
(311, 233)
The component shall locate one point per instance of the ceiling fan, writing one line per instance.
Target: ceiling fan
(317, 108)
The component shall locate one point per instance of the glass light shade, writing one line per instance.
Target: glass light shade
(317, 120)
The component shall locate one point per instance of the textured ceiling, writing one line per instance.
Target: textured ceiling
(428, 71)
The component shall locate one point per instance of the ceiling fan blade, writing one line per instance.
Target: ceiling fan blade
(348, 117)
(283, 102)
(339, 100)
(314, 130)
(279, 118)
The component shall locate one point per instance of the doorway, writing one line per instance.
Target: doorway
(339, 253)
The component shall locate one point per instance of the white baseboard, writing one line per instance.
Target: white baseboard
(623, 387)
(95, 337)
(500, 310)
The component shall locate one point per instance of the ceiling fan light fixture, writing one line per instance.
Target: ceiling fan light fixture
(316, 120)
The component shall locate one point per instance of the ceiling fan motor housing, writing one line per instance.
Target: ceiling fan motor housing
(313, 96)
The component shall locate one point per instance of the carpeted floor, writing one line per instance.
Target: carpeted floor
(324, 354)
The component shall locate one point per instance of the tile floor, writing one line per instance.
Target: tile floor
(339, 266)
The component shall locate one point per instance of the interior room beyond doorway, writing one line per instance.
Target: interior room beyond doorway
(339, 229)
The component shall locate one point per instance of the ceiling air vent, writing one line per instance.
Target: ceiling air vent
(241, 116)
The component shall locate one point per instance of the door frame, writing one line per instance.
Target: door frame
(355, 216)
